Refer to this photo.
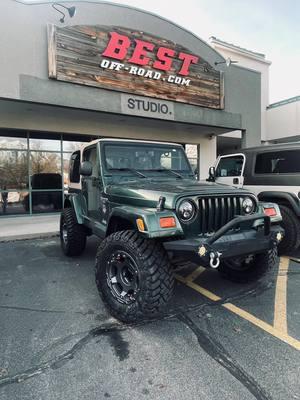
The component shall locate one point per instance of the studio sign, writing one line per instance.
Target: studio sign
(134, 62)
(147, 107)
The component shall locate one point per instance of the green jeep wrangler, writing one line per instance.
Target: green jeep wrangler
(143, 200)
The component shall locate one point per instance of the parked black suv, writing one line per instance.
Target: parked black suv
(273, 174)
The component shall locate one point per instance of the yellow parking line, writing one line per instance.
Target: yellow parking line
(198, 288)
(280, 317)
(243, 314)
(263, 325)
(194, 275)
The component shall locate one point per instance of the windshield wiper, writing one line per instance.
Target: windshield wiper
(130, 170)
(168, 170)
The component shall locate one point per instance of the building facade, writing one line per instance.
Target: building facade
(280, 121)
(110, 71)
(283, 121)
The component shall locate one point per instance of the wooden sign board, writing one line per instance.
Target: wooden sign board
(134, 62)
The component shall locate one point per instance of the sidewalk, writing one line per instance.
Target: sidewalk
(38, 226)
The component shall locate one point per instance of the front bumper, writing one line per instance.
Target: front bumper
(240, 237)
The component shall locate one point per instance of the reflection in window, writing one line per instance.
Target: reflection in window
(46, 181)
(72, 146)
(50, 201)
(66, 166)
(13, 203)
(13, 143)
(74, 142)
(44, 144)
(45, 162)
(278, 162)
(145, 157)
(13, 169)
(34, 178)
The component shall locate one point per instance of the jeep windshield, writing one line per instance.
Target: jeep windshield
(146, 160)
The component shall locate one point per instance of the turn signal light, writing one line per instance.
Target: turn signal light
(270, 212)
(140, 225)
(167, 222)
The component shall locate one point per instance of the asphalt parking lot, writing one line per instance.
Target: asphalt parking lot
(218, 341)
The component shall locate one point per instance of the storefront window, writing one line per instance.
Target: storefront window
(46, 201)
(45, 142)
(74, 142)
(34, 169)
(7, 142)
(42, 162)
(13, 169)
(13, 203)
(72, 146)
(66, 166)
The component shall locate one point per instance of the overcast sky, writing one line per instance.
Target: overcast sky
(268, 26)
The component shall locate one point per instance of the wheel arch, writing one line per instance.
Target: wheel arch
(67, 203)
(78, 203)
(283, 198)
(119, 223)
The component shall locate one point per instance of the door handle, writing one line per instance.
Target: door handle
(235, 181)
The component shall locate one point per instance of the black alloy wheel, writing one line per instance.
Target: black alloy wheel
(122, 277)
(134, 276)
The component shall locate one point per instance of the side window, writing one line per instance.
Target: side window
(279, 162)
(74, 167)
(90, 154)
(230, 166)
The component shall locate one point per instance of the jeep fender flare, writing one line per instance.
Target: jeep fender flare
(150, 218)
(282, 197)
(78, 202)
(120, 214)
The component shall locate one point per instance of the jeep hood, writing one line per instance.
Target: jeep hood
(146, 193)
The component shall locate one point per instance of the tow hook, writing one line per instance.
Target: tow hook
(214, 259)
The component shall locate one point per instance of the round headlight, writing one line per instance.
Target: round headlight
(248, 205)
(186, 210)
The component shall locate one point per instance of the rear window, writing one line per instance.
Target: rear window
(279, 162)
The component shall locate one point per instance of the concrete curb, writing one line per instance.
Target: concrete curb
(29, 236)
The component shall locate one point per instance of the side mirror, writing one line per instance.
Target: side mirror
(212, 174)
(86, 168)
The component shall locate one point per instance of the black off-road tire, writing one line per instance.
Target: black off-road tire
(154, 276)
(251, 272)
(291, 226)
(75, 241)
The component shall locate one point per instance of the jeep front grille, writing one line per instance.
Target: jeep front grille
(214, 212)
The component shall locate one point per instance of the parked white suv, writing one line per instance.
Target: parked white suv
(273, 174)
